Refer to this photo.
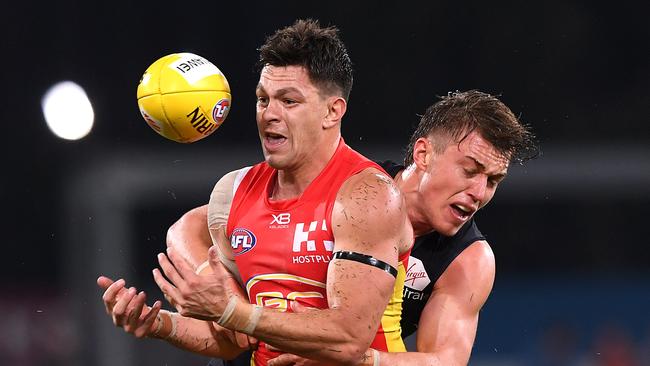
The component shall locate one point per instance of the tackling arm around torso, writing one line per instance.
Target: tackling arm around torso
(449, 321)
(198, 229)
(191, 237)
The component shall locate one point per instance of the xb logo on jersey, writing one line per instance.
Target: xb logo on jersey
(281, 219)
(242, 240)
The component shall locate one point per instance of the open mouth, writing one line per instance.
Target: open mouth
(274, 139)
(463, 212)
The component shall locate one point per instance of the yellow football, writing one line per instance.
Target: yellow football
(184, 97)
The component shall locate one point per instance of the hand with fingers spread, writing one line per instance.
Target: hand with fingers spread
(198, 296)
(127, 308)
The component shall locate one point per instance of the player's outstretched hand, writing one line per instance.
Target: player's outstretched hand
(127, 307)
(198, 296)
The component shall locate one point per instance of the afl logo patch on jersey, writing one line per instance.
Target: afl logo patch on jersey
(242, 240)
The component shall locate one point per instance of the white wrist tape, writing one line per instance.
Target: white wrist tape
(253, 319)
(375, 357)
(240, 316)
(201, 267)
(227, 313)
(172, 317)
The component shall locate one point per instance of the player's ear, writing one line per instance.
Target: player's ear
(336, 107)
(422, 153)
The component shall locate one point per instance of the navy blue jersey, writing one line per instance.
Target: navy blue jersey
(432, 253)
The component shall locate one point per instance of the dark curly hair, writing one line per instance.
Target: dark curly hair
(460, 113)
(319, 50)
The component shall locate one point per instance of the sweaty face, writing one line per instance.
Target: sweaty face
(289, 116)
(460, 181)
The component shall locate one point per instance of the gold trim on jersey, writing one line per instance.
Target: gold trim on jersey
(281, 276)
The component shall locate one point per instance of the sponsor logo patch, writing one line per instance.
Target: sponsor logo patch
(416, 275)
(310, 250)
(242, 240)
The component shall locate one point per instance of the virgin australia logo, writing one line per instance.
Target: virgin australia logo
(416, 275)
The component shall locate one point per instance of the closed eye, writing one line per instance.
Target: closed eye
(494, 180)
(470, 172)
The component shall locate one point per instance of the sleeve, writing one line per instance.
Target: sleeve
(218, 211)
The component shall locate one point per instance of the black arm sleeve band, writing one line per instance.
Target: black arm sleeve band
(366, 259)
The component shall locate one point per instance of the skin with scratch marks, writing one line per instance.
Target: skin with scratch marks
(342, 332)
(364, 196)
(349, 325)
(449, 321)
(464, 173)
(300, 131)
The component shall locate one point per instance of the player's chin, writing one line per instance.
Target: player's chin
(275, 161)
(449, 228)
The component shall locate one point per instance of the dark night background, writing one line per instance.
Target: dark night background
(568, 229)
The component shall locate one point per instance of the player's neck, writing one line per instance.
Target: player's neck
(290, 185)
(408, 182)
(292, 182)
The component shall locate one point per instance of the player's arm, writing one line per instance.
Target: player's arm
(189, 235)
(195, 232)
(199, 337)
(368, 218)
(448, 323)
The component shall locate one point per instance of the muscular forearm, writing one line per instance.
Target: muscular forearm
(342, 332)
(328, 335)
(196, 336)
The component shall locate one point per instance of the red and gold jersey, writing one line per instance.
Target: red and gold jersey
(283, 248)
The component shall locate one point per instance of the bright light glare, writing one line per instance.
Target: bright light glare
(67, 111)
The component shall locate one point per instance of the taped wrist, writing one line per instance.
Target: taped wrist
(166, 325)
(240, 316)
(201, 267)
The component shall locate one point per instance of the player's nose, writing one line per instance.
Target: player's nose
(478, 189)
(271, 112)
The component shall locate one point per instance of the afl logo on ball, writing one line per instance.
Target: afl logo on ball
(242, 240)
(220, 110)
